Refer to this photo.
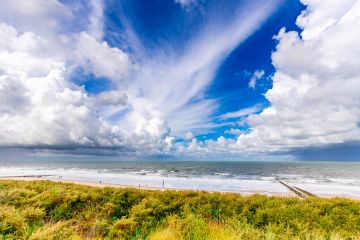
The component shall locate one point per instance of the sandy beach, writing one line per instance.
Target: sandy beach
(245, 178)
(145, 187)
(148, 187)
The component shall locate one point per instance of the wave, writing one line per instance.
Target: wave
(222, 174)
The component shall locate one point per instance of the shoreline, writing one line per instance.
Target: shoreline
(154, 188)
(241, 178)
(146, 187)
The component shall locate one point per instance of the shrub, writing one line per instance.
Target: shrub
(48, 210)
(122, 228)
(11, 223)
(194, 227)
(58, 231)
(33, 214)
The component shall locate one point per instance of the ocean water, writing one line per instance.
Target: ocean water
(321, 178)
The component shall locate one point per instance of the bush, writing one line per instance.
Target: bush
(57, 231)
(122, 228)
(12, 224)
(48, 210)
(33, 214)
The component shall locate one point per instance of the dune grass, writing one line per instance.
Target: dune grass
(49, 210)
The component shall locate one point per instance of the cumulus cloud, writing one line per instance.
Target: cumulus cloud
(41, 108)
(35, 16)
(315, 98)
(115, 98)
(101, 59)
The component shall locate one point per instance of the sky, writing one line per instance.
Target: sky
(189, 79)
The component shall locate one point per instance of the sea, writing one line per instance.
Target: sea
(245, 177)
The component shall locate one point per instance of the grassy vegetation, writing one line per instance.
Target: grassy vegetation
(48, 210)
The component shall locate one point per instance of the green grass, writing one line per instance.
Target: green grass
(48, 210)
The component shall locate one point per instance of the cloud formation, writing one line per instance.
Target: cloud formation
(156, 99)
(314, 101)
(315, 97)
(175, 83)
(39, 106)
(100, 59)
(242, 113)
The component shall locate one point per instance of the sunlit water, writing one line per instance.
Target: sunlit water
(334, 178)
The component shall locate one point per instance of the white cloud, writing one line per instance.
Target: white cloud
(315, 95)
(164, 94)
(194, 148)
(189, 136)
(241, 113)
(315, 100)
(114, 98)
(256, 76)
(175, 83)
(40, 107)
(185, 2)
(320, 15)
(101, 59)
(234, 131)
(33, 15)
(96, 25)
(54, 115)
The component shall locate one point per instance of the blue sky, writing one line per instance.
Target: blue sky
(180, 78)
(167, 27)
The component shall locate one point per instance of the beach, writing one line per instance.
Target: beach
(144, 187)
(292, 191)
(246, 178)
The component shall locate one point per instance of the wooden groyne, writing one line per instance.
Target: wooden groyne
(305, 192)
(298, 191)
(294, 190)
